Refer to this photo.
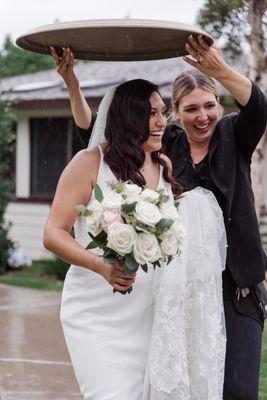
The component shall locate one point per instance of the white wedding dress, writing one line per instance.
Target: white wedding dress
(187, 348)
(107, 334)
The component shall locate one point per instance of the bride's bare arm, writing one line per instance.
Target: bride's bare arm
(80, 109)
(75, 187)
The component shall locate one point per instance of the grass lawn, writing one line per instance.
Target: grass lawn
(43, 276)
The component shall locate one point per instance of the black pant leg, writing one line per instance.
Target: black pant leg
(243, 352)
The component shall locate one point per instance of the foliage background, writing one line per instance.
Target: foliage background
(13, 61)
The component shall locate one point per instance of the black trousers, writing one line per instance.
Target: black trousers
(244, 326)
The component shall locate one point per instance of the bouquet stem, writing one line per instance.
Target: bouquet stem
(124, 292)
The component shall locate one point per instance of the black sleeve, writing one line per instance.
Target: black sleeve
(85, 134)
(250, 123)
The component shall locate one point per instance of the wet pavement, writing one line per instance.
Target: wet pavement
(34, 361)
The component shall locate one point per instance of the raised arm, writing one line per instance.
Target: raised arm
(250, 122)
(79, 106)
(209, 61)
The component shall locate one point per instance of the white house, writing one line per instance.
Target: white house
(46, 138)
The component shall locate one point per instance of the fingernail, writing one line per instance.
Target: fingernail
(191, 36)
(187, 45)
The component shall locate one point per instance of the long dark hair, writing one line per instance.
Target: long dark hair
(127, 128)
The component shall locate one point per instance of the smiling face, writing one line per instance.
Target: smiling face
(198, 113)
(157, 124)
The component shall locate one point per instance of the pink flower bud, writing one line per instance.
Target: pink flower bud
(111, 218)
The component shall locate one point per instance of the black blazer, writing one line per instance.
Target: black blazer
(233, 142)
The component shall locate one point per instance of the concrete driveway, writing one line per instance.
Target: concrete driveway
(34, 362)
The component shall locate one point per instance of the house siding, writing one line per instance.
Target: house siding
(27, 225)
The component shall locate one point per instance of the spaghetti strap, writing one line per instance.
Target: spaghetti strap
(101, 154)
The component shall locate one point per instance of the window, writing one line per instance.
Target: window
(53, 143)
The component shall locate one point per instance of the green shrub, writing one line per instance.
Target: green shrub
(7, 138)
(55, 267)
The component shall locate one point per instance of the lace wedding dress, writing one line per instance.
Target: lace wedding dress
(187, 348)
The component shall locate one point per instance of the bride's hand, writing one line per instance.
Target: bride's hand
(116, 277)
(65, 66)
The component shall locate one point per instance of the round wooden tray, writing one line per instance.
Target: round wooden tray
(113, 40)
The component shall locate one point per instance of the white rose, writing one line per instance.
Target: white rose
(95, 206)
(177, 230)
(147, 213)
(94, 221)
(149, 195)
(131, 191)
(172, 239)
(169, 245)
(146, 249)
(121, 238)
(93, 224)
(168, 210)
(112, 200)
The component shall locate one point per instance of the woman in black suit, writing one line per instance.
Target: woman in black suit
(215, 153)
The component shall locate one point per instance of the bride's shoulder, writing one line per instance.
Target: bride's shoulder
(87, 157)
(83, 166)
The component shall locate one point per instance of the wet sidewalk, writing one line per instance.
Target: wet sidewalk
(34, 362)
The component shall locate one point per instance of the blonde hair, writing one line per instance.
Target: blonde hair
(188, 81)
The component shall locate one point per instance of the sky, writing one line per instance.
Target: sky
(19, 16)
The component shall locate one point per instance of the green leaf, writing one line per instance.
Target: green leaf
(101, 237)
(130, 265)
(110, 259)
(98, 193)
(146, 228)
(92, 245)
(164, 223)
(127, 208)
(157, 264)
(126, 292)
(142, 227)
(169, 260)
(144, 267)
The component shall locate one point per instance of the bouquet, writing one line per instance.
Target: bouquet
(134, 226)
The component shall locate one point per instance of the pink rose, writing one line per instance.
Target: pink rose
(111, 217)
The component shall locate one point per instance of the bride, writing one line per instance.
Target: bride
(116, 354)
(108, 334)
